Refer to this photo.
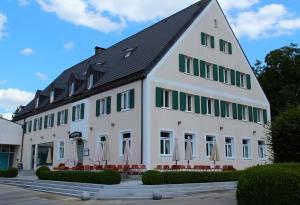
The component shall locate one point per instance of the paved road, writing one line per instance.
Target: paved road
(10, 195)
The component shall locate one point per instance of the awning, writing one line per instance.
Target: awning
(75, 135)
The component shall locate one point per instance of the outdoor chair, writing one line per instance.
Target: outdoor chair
(159, 167)
(166, 167)
(99, 167)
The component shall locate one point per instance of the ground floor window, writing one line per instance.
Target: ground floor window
(261, 149)
(246, 148)
(209, 144)
(229, 143)
(125, 136)
(193, 139)
(165, 143)
(61, 150)
(45, 154)
(6, 156)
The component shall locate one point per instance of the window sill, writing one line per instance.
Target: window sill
(165, 155)
(247, 159)
(125, 110)
(166, 108)
(262, 159)
(230, 158)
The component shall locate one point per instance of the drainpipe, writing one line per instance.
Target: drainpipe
(21, 158)
(142, 123)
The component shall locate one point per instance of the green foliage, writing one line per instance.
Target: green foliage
(200, 177)
(152, 177)
(285, 136)
(40, 170)
(277, 184)
(103, 177)
(9, 173)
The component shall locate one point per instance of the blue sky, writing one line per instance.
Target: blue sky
(41, 38)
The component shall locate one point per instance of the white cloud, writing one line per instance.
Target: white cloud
(41, 76)
(3, 21)
(27, 51)
(234, 4)
(23, 2)
(82, 13)
(3, 82)
(268, 21)
(69, 45)
(7, 115)
(11, 98)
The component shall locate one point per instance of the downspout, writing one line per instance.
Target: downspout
(142, 123)
(21, 158)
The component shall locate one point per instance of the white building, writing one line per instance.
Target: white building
(185, 76)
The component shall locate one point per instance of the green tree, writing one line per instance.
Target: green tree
(285, 136)
(280, 78)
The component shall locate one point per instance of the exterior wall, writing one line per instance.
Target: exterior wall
(166, 75)
(91, 126)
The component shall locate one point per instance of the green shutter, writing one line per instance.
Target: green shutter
(248, 78)
(240, 110)
(234, 111)
(238, 78)
(221, 45)
(82, 111)
(196, 67)
(108, 105)
(52, 120)
(255, 114)
(181, 63)
(118, 102)
(159, 96)
(41, 122)
(131, 99)
(24, 127)
(215, 72)
(203, 38)
(97, 108)
(212, 42)
(182, 101)
(221, 74)
(204, 105)
(223, 113)
(46, 121)
(265, 116)
(66, 117)
(58, 118)
(217, 108)
(202, 69)
(34, 125)
(229, 48)
(197, 104)
(250, 114)
(73, 113)
(29, 126)
(174, 100)
(232, 77)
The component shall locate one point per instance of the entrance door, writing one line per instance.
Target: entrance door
(80, 147)
(32, 156)
(4, 161)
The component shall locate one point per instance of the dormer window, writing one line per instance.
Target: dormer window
(129, 52)
(52, 96)
(72, 89)
(90, 81)
(37, 102)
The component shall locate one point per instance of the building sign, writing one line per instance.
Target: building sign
(75, 135)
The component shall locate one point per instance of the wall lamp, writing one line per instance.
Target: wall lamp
(112, 124)
(221, 127)
(254, 132)
(179, 123)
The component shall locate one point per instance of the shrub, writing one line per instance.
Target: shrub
(270, 185)
(200, 177)
(103, 177)
(152, 177)
(9, 173)
(41, 169)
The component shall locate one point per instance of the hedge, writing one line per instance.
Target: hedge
(270, 185)
(104, 177)
(152, 177)
(41, 169)
(182, 177)
(9, 173)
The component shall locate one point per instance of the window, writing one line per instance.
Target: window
(72, 89)
(78, 112)
(39, 123)
(125, 100)
(209, 144)
(62, 117)
(192, 137)
(52, 96)
(246, 148)
(243, 80)
(225, 47)
(37, 102)
(165, 143)
(90, 81)
(189, 103)
(209, 72)
(125, 136)
(227, 109)
(244, 112)
(49, 121)
(29, 125)
(103, 106)
(227, 79)
(262, 150)
(61, 150)
(210, 106)
(103, 139)
(229, 147)
(188, 64)
(207, 40)
(166, 98)
(259, 115)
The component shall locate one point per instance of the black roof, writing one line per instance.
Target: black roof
(147, 46)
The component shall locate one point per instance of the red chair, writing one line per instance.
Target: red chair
(99, 167)
(159, 167)
(166, 167)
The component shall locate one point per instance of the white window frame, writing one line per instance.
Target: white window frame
(207, 41)
(225, 47)
(52, 96)
(60, 154)
(227, 76)
(49, 121)
(39, 123)
(189, 103)
(262, 150)
(164, 139)
(125, 100)
(188, 62)
(259, 115)
(209, 144)
(164, 104)
(77, 112)
(62, 117)
(90, 81)
(209, 104)
(194, 142)
(228, 146)
(243, 80)
(249, 148)
(208, 71)
(122, 141)
(100, 141)
(228, 108)
(244, 113)
(103, 107)
(37, 100)
(72, 89)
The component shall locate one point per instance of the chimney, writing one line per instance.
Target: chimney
(98, 50)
